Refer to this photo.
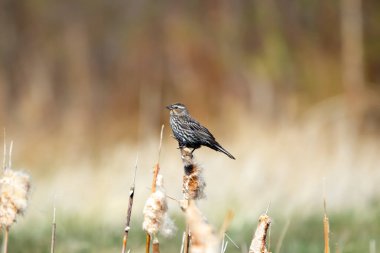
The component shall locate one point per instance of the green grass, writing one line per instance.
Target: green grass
(350, 230)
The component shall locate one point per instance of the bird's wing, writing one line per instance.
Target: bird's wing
(202, 132)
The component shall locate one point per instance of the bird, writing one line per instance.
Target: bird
(190, 133)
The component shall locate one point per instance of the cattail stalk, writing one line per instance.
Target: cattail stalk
(258, 244)
(4, 152)
(184, 235)
(156, 218)
(5, 242)
(188, 189)
(10, 155)
(187, 239)
(129, 212)
(193, 186)
(226, 223)
(326, 225)
(326, 229)
(155, 246)
(147, 243)
(156, 170)
(53, 229)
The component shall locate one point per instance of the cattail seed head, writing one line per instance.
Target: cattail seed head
(193, 181)
(155, 213)
(258, 244)
(14, 188)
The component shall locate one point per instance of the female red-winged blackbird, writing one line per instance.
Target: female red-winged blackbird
(189, 133)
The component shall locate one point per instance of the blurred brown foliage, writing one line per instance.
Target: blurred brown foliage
(86, 67)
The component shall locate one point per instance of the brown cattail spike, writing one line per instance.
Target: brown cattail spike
(129, 211)
(258, 244)
(193, 181)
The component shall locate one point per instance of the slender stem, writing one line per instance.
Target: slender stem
(183, 241)
(222, 246)
(10, 155)
(156, 170)
(226, 223)
(147, 244)
(124, 248)
(5, 152)
(155, 247)
(54, 226)
(326, 225)
(155, 173)
(160, 145)
(5, 242)
(129, 212)
(326, 230)
(232, 241)
(187, 240)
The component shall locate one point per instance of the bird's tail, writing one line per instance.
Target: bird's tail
(221, 149)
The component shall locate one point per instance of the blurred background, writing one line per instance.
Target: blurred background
(290, 88)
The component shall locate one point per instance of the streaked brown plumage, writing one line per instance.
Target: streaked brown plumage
(189, 132)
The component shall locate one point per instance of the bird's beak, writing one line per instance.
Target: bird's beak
(169, 107)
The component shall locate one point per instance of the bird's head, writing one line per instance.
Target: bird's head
(177, 109)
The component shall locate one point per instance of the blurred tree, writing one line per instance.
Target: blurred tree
(85, 67)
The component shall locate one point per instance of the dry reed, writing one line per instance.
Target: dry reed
(326, 225)
(156, 170)
(129, 211)
(53, 231)
(156, 218)
(326, 229)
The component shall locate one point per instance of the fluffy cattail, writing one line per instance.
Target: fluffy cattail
(193, 181)
(14, 188)
(258, 244)
(203, 236)
(155, 213)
